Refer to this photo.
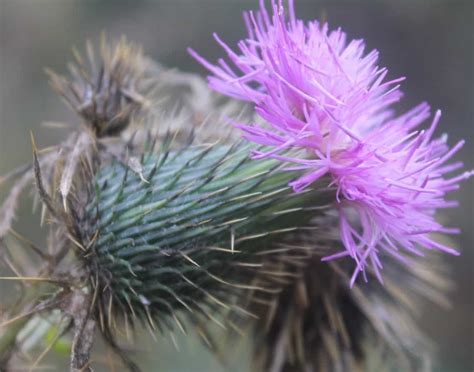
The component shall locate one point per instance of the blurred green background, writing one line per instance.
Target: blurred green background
(431, 42)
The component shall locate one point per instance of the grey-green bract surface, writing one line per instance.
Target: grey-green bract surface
(183, 230)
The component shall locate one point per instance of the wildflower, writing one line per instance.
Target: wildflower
(395, 182)
(312, 87)
(317, 91)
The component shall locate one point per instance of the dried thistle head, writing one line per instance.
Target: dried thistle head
(106, 88)
(318, 323)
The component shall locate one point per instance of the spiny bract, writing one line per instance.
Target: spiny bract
(181, 229)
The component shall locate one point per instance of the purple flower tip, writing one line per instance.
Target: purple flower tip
(318, 91)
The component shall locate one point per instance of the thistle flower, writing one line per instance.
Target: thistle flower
(156, 229)
(316, 91)
(313, 88)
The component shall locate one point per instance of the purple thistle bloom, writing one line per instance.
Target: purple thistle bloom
(395, 182)
(317, 91)
(309, 84)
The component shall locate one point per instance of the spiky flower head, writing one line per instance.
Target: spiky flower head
(317, 91)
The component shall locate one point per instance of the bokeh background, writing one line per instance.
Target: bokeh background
(431, 42)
